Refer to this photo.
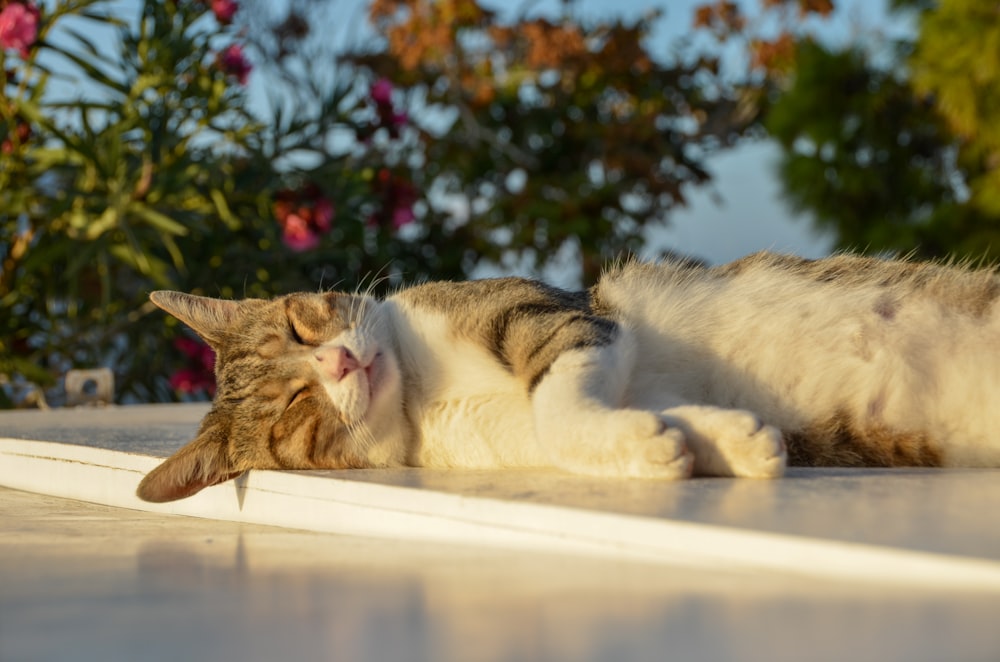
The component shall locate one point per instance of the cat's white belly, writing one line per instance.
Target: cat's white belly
(799, 359)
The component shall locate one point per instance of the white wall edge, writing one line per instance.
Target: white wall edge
(331, 505)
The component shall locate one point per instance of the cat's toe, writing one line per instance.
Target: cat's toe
(743, 422)
(730, 442)
(664, 456)
(761, 455)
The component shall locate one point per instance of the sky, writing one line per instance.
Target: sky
(748, 216)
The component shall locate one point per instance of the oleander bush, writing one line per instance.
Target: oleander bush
(232, 149)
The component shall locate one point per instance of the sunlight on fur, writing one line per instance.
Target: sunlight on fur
(661, 371)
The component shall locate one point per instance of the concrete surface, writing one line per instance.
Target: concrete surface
(931, 527)
(429, 565)
(84, 582)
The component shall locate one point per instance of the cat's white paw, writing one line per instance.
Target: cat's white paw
(621, 443)
(658, 451)
(730, 442)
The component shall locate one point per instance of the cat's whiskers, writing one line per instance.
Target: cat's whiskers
(332, 288)
(373, 280)
(362, 436)
(363, 299)
(364, 279)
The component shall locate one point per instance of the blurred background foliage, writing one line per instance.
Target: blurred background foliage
(891, 142)
(458, 139)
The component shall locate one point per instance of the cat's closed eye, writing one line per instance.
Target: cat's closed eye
(298, 396)
(298, 336)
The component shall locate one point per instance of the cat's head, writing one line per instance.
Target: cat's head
(303, 381)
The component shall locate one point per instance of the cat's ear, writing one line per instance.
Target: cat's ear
(200, 464)
(208, 317)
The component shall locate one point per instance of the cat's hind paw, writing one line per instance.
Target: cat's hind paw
(730, 442)
(761, 454)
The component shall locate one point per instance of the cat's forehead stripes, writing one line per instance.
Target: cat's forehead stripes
(314, 311)
(316, 318)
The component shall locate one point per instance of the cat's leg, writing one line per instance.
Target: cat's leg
(581, 428)
(729, 442)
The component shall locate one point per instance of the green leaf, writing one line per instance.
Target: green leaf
(103, 18)
(175, 252)
(32, 372)
(94, 229)
(160, 221)
(223, 209)
(89, 46)
(148, 265)
(95, 73)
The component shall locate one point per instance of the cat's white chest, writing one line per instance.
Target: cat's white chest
(465, 408)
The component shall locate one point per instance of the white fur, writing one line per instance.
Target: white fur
(371, 401)
(580, 418)
(702, 377)
(791, 354)
(463, 409)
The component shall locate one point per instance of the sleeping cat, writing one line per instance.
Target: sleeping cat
(660, 371)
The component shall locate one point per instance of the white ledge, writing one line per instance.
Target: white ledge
(923, 528)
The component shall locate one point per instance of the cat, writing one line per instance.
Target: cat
(660, 371)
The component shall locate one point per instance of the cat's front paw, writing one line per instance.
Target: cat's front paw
(619, 443)
(730, 442)
(661, 453)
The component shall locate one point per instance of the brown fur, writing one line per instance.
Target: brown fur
(524, 323)
(264, 415)
(839, 442)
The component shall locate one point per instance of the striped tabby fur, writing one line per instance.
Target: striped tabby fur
(660, 371)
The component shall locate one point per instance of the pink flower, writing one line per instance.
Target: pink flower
(224, 10)
(402, 216)
(399, 119)
(18, 27)
(381, 92)
(187, 380)
(323, 213)
(387, 116)
(303, 216)
(16, 138)
(200, 354)
(234, 63)
(199, 375)
(188, 346)
(297, 234)
(398, 197)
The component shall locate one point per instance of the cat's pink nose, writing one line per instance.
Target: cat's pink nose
(338, 362)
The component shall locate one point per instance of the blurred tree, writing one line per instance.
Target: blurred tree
(895, 146)
(862, 152)
(546, 135)
(956, 63)
(104, 193)
(131, 158)
(129, 161)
